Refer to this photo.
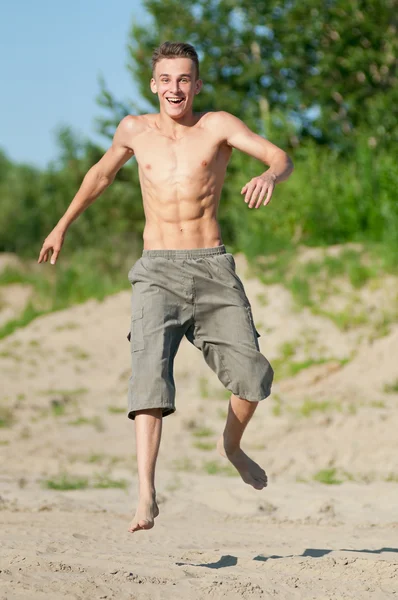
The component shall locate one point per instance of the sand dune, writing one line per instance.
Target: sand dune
(64, 383)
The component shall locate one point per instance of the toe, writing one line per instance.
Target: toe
(259, 484)
(141, 524)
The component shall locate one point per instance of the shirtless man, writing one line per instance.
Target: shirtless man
(185, 283)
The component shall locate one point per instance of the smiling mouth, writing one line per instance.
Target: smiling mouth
(175, 101)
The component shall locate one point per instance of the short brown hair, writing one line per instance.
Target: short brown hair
(175, 50)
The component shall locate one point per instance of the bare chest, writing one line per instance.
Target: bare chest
(161, 159)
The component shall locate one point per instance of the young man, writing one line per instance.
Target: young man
(185, 283)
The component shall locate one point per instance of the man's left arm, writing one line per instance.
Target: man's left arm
(239, 136)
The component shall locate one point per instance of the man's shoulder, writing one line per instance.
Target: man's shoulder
(220, 121)
(217, 117)
(134, 124)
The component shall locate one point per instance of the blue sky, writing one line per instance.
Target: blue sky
(51, 56)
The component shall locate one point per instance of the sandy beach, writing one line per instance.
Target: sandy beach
(325, 527)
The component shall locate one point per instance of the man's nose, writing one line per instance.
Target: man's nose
(175, 87)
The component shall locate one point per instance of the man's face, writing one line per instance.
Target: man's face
(175, 84)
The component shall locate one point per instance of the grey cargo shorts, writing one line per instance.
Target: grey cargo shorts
(195, 293)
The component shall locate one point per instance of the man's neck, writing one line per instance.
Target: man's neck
(175, 128)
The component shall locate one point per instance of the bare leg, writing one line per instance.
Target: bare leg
(148, 430)
(240, 412)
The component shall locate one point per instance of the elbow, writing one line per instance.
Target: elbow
(102, 180)
(289, 165)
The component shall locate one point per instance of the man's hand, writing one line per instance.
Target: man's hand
(52, 242)
(259, 188)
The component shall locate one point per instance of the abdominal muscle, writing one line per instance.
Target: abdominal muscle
(181, 216)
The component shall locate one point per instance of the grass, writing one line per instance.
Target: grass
(62, 400)
(299, 277)
(222, 413)
(10, 354)
(64, 392)
(311, 282)
(104, 481)
(77, 353)
(25, 433)
(96, 273)
(301, 291)
(347, 319)
(382, 326)
(203, 445)
(204, 387)
(262, 299)
(96, 458)
(83, 274)
(327, 476)
(183, 464)
(66, 481)
(95, 422)
(7, 417)
(67, 326)
(284, 367)
(116, 409)
(29, 314)
(377, 404)
(277, 405)
(391, 388)
(223, 394)
(203, 432)
(310, 406)
(213, 467)
(58, 408)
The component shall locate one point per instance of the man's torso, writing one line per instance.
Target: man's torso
(181, 182)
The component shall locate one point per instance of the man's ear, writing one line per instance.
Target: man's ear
(198, 86)
(154, 87)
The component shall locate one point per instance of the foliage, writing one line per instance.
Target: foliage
(317, 79)
(309, 69)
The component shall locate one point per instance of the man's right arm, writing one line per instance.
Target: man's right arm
(96, 180)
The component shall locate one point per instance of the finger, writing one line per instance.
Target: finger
(256, 192)
(250, 188)
(54, 257)
(269, 195)
(42, 254)
(262, 195)
(244, 189)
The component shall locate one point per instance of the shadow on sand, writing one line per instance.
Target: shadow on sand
(231, 561)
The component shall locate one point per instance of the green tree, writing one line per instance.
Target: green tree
(302, 69)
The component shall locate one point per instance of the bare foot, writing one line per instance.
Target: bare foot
(145, 514)
(249, 470)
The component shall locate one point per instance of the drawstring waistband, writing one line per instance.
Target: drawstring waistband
(181, 254)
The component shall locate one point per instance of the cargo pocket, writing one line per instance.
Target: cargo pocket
(249, 312)
(137, 332)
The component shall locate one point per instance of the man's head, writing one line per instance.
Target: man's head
(175, 77)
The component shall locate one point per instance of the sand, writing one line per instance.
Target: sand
(64, 384)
